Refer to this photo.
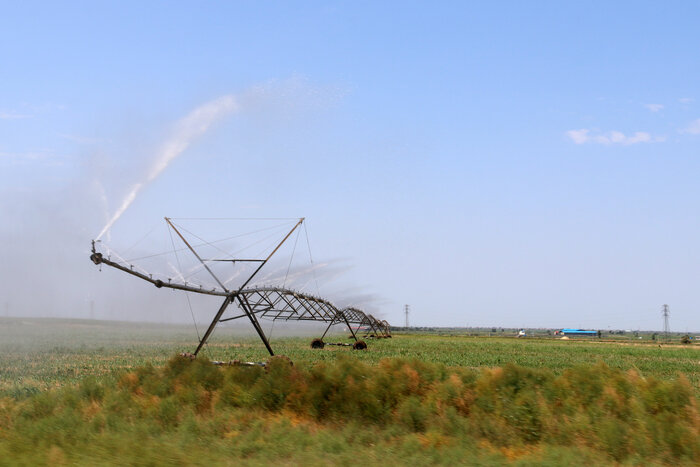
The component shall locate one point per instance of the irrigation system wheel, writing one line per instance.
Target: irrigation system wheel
(317, 344)
(359, 345)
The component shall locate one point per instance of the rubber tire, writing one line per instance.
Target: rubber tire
(317, 344)
(359, 345)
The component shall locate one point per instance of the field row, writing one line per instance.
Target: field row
(39, 354)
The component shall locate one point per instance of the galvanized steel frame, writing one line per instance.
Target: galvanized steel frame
(272, 303)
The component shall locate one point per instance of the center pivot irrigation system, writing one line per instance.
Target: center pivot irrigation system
(254, 303)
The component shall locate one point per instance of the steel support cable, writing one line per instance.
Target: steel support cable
(313, 269)
(296, 239)
(141, 239)
(264, 280)
(267, 247)
(196, 269)
(200, 266)
(187, 295)
(272, 326)
(206, 242)
(277, 226)
(235, 218)
(245, 248)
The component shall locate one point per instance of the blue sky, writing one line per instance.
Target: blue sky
(490, 164)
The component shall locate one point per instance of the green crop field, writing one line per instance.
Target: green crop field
(43, 353)
(89, 392)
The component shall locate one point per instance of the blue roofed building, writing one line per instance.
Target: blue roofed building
(579, 332)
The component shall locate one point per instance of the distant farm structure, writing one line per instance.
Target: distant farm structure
(570, 332)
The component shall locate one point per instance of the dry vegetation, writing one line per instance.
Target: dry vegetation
(455, 400)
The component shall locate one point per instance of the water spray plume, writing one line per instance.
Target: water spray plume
(186, 131)
(103, 201)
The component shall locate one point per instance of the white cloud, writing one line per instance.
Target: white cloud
(585, 135)
(13, 116)
(654, 107)
(578, 136)
(686, 100)
(693, 128)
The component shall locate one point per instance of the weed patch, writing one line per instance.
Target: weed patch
(297, 413)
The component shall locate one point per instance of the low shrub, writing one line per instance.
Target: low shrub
(592, 409)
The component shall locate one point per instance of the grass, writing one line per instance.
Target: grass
(403, 411)
(37, 354)
(91, 393)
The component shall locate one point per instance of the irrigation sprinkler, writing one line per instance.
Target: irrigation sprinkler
(258, 302)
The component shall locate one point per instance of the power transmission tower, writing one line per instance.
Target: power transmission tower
(406, 310)
(665, 312)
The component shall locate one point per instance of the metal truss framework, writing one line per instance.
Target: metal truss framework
(271, 303)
